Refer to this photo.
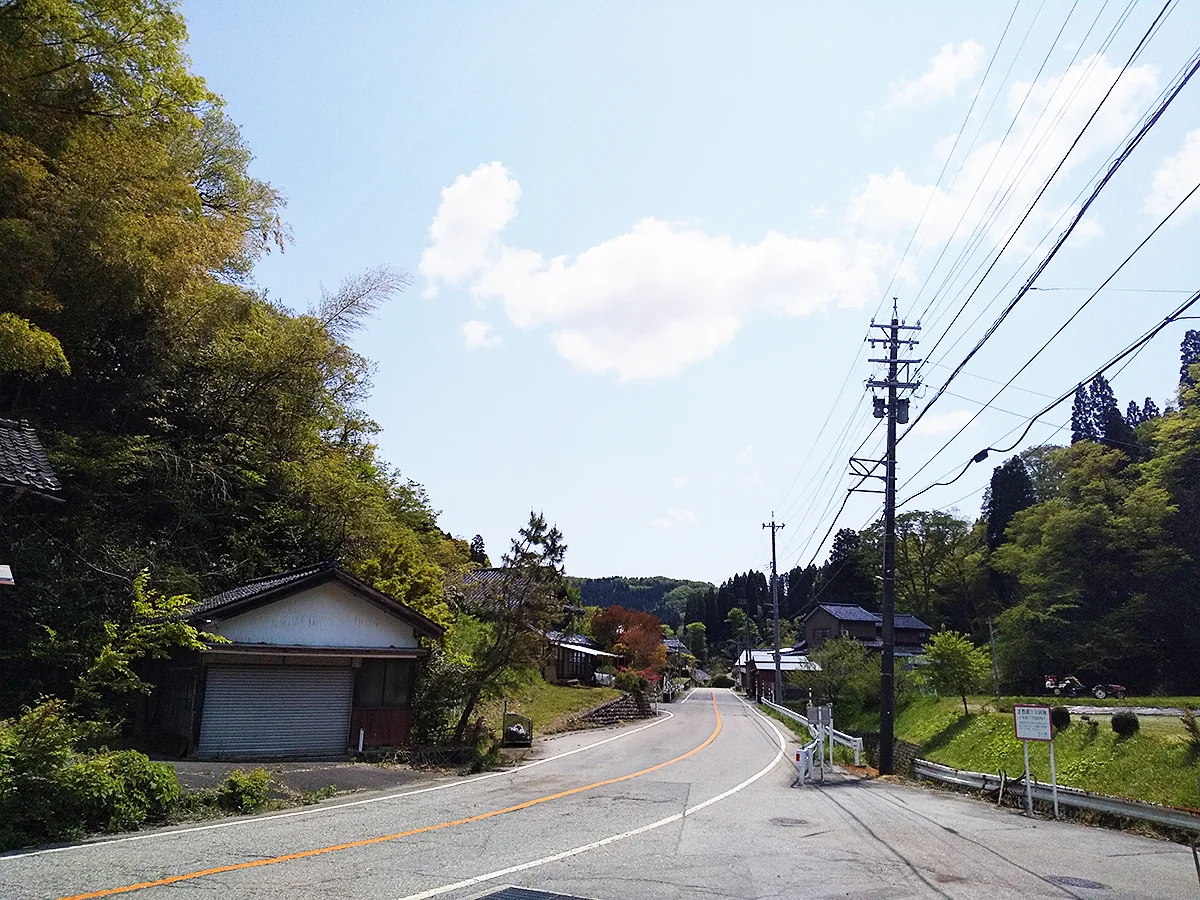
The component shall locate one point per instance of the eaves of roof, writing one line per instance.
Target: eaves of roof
(270, 588)
(23, 461)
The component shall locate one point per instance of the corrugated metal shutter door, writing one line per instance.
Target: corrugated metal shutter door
(276, 711)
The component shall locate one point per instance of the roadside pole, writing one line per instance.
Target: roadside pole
(775, 599)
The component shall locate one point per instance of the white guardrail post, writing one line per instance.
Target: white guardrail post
(819, 734)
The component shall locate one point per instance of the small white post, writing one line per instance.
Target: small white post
(1028, 788)
(831, 735)
(361, 734)
(1053, 780)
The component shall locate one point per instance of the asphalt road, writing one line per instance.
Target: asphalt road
(695, 805)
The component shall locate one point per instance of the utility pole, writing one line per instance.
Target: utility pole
(995, 666)
(895, 410)
(775, 600)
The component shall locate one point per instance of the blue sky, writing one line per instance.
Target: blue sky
(647, 240)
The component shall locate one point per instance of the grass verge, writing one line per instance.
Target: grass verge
(1155, 764)
(550, 706)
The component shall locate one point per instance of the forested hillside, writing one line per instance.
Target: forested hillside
(666, 598)
(203, 431)
(1086, 558)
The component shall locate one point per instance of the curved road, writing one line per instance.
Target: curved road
(694, 805)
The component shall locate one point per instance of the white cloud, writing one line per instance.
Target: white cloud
(943, 422)
(675, 518)
(1046, 122)
(1173, 179)
(644, 304)
(462, 238)
(664, 295)
(949, 69)
(679, 482)
(745, 455)
(479, 334)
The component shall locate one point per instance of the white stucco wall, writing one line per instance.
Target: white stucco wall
(328, 615)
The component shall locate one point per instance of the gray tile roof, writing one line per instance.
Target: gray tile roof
(255, 587)
(904, 620)
(23, 462)
(844, 612)
(577, 640)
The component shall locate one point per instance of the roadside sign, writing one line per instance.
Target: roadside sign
(1032, 723)
(6, 576)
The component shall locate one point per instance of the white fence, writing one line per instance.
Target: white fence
(1133, 809)
(819, 735)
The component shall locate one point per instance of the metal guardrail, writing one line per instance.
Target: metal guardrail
(1067, 796)
(838, 737)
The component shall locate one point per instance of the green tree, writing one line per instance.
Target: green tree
(742, 629)
(695, 637)
(955, 666)
(513, 611)
(1083, 427)
(1011, 491)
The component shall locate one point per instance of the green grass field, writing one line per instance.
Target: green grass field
(549, 705)
(1155, 764)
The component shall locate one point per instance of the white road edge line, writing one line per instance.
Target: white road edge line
(603, 842)
(689, 696)
(334, 806)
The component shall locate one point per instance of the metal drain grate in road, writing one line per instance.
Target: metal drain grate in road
(1071, 881)
(516, 893)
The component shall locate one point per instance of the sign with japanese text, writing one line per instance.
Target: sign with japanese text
(1032, 723)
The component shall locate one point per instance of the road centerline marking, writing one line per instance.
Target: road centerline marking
(314, 810)
(366, 842)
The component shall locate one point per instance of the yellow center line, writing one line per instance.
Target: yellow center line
(188, 876)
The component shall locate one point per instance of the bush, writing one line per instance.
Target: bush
(1093, 727)
(119, 791)
(1125, 723)
(244, 791)
(1192, 727)
(49, 790)
(1060, 717)
(632, 682)
(722, 681)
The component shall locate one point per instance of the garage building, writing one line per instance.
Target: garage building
(314, 664)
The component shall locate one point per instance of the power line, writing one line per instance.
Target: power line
(1130, 350)
(1128, 150)
(1057, 332)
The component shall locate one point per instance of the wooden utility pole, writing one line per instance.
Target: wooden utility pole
(775, 601)
(896, 412)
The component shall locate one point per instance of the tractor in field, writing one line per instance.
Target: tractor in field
(1073, 687)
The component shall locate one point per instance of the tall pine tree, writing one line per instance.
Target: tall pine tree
(1011, 491)
(1083, 426)
(1189, 354)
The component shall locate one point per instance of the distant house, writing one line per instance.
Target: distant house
(674, 646)
(317, 663)
(831, 620)
(574, 658)
(755, 669)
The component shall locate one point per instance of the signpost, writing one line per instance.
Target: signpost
(1032, 723)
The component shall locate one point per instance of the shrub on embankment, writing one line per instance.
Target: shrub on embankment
(1153, 764)
(52, 790)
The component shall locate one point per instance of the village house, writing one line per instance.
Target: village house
(314, 663)
(832, 620)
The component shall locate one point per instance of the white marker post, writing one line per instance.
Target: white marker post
(1032, 723)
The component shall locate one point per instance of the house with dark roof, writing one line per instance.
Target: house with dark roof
(755, 670)
(574, 658)
(23, 463)
(308, 663)
(832, 620)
